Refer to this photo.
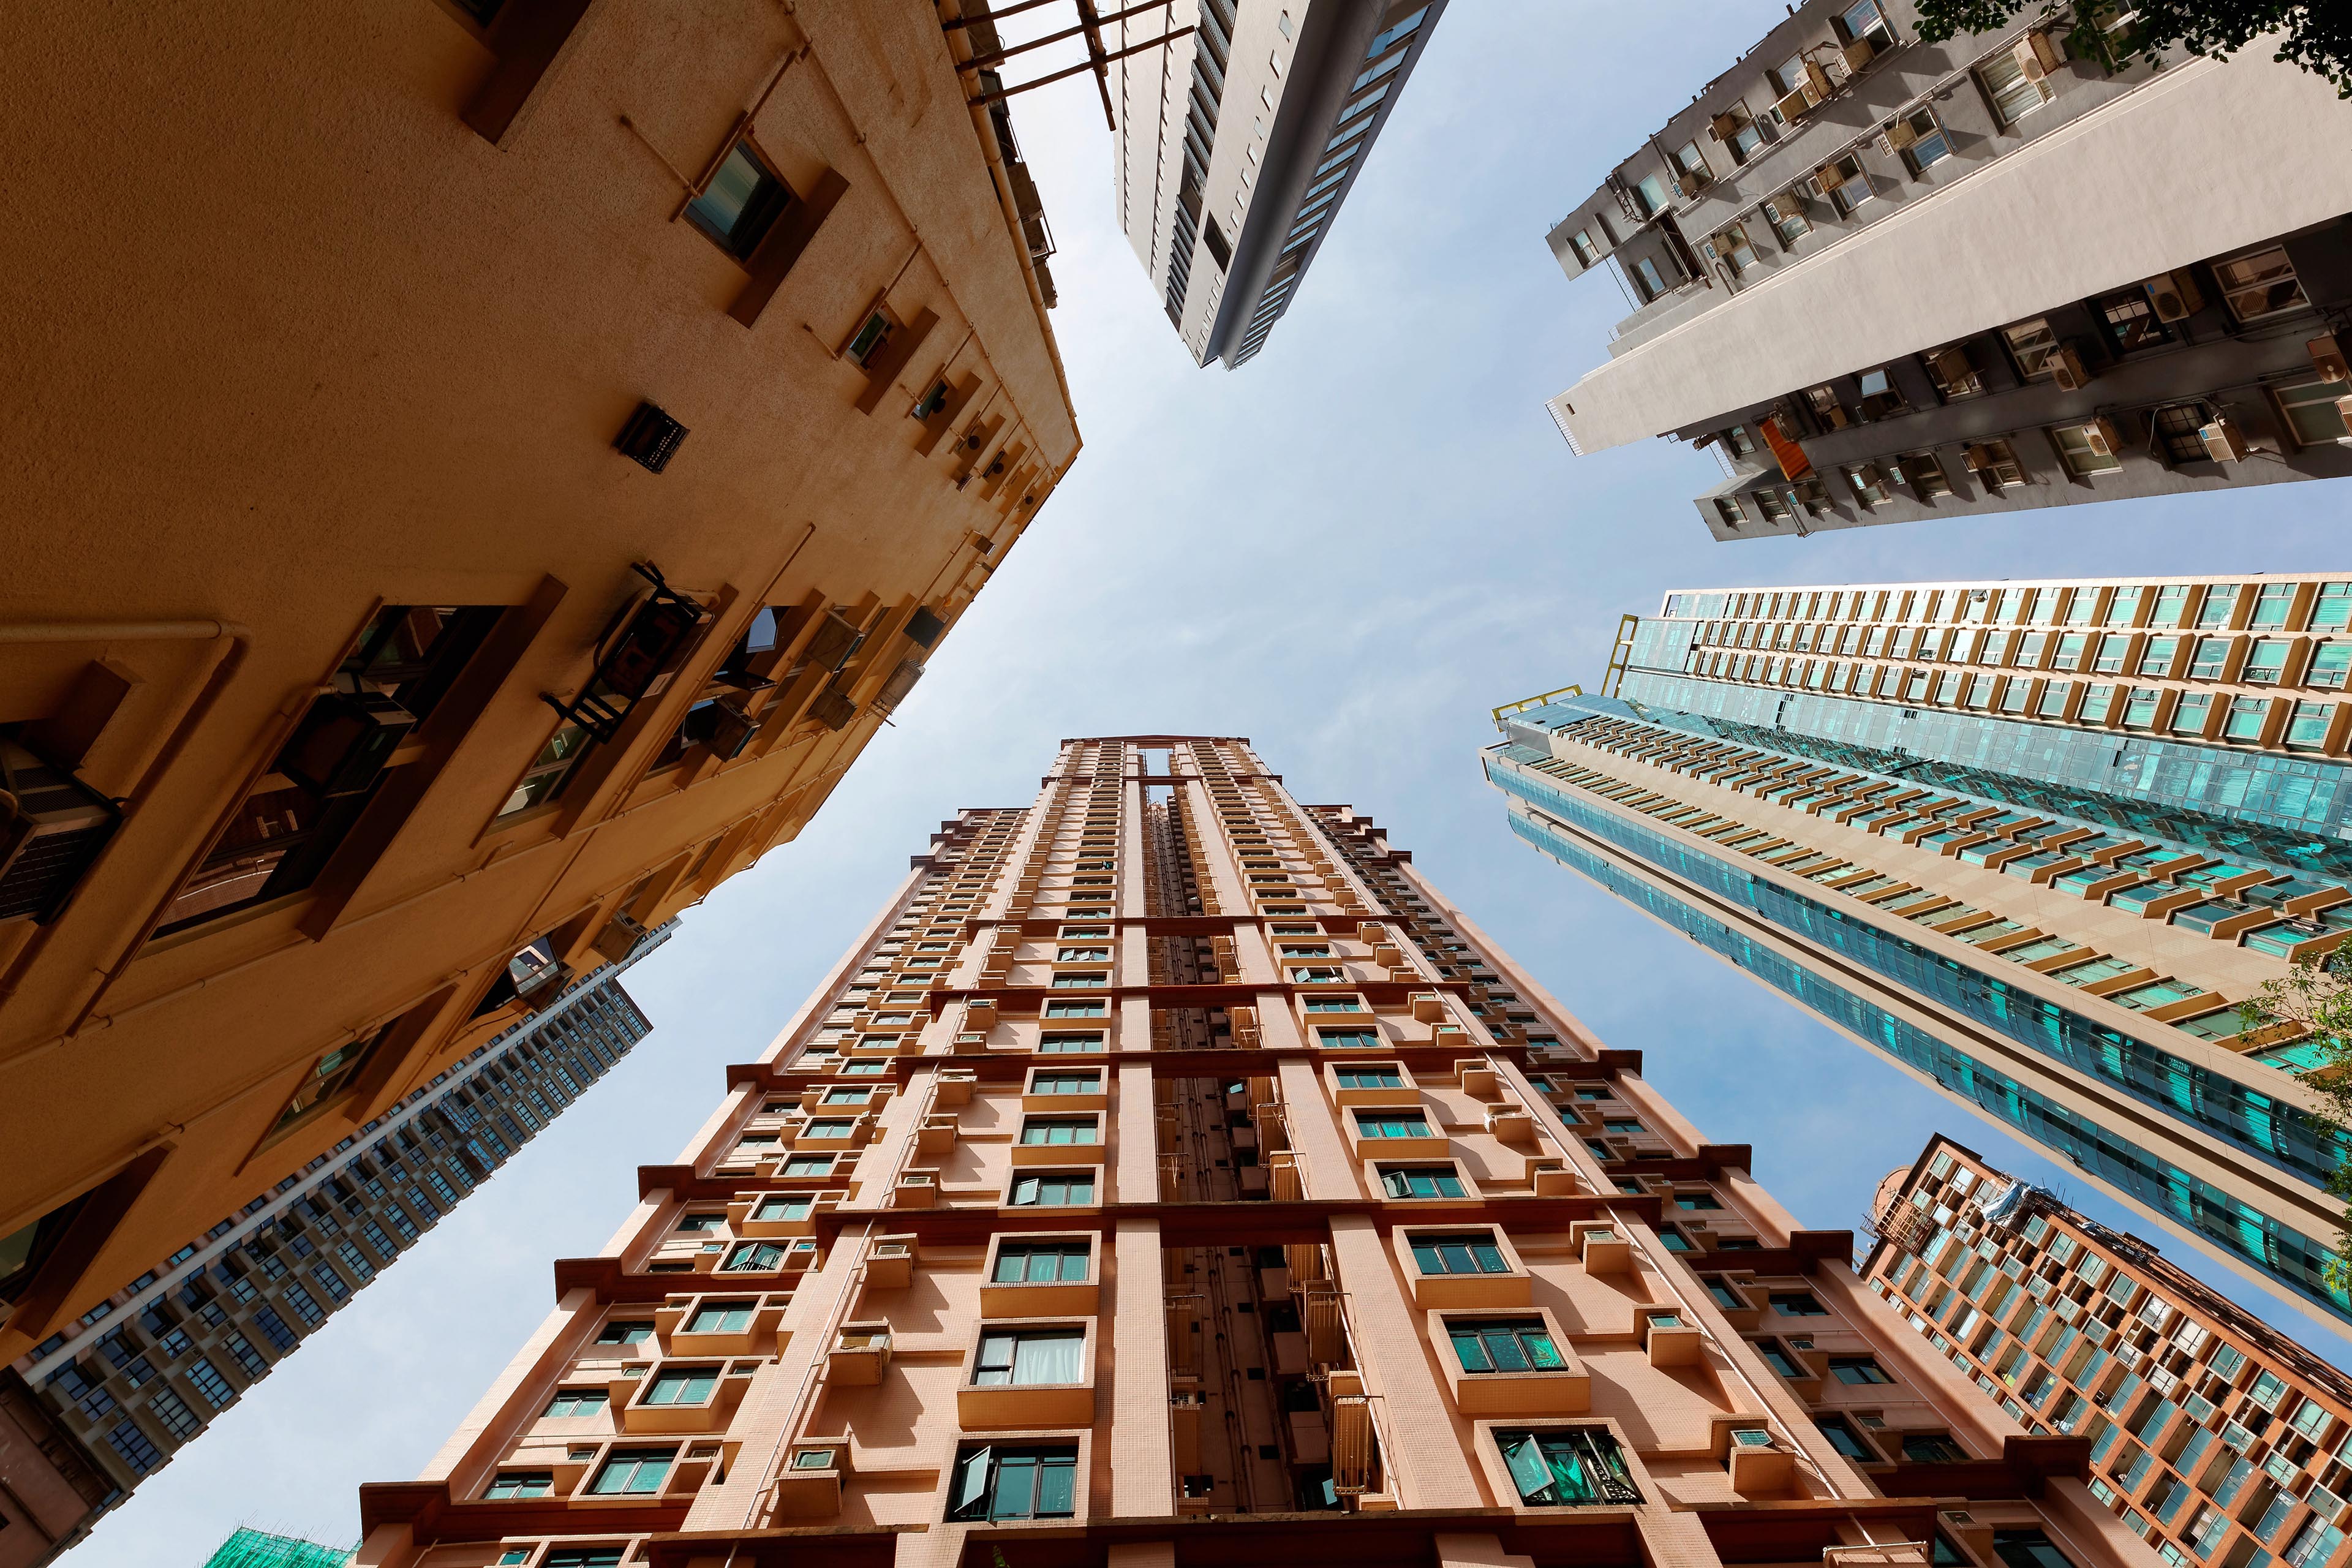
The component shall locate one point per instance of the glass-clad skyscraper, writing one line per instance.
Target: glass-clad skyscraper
(2035, 841)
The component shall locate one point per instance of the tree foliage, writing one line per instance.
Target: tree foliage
(2313, 34)
(2315, 997)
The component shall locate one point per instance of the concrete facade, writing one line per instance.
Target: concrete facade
(1169, 1173)
(1943, 277)
(1238, 146)
(356, 384)
(2036, 842)
(141, 1375)
(2213, 1437)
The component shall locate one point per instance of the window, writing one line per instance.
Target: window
(1798, 1304)
(1927, 145)
(1730, 246)
(329, 1076)
(2180, 432)
(699, 1222)
(1586, 253)
(1847, 185)
(2306, 726)
(1786, 214)
(1335, 1004)
(632, 1472)
(2310, 411)
(1651, 192)
(570, 1402)
(2085, 449)
(1569, 1467)
(1391, 1124)
(2266, 662)
(1059, 1189)
(1041, 1263)
(1646, 279)
(775, 1208)
(2027, 1549)
(575, 1557)
(2034, 346)
(1864, 20)
(996, 1483)
(1346, 1039)
(1932, 1448)
(681, 1385)
(870, 340)
(1857, 1369)
(721, 1318)
(754, 1258)
(519, 1484)
(2314, 1546)
(740, 204)
(1371, 1075)
(1504, 1344)
(1031, 1357)
(1421, 1182)
(1059, 1130)
(1076, 1010)
(1845, 1439)
(1779, 1359)
(1065, 1083)
(625, 1333)
(2006, 87)
(1469, 1252)
(2261, 283)
(2131, 322)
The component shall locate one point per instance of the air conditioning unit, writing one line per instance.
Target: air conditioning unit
(1723, 127)
(2105, 439)
(2224, 442)
(1869, 474)
(343, 742)
(1979, 459)
(1899, 135)
(1953, 366)
(1692, 182)
(1794, 105)
(2067, 369)
(2037, 55)
(901, 681)
(2328, 359)
(1858, 56)
(50, 832)
(1828, 178)
(619, 938)
(1834, 416)
(2174, 296)
(2344, 411)
(1779, 209)
(1818, 80)
(833, 710)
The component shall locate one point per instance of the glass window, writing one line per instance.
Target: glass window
(1858, 1369)
(1378, 1075)
(1031, 1357)
(994, 1482)
(2027, 1549)
(2013, 95)
(1059, 1130)
(519, 1484)
(1646, 278)
(1421, 1182)
(1845, 1439)
(2333, 610)
(1504, 1344)
(1391, 1124)
(1572, 1467)
(1586, 253)
(681, 1385)
(2310, 412)
(625, 1333)
(2266, 662)
(2306, 727)
(570, 1402)
(1041, 1262)
(1928, 144)
(2260, 283)
(632, 1472)
(2329, 663)
(740, 204)
(2131, 322)
(1798, 1304)
(721, 1318)
(1651, 190)
(2247, 719)
(755, 1258)
(1058, 1189)
(1470, 1252)
(2034, 346)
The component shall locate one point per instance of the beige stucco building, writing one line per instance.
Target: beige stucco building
(1169, 1173)
(382, 377)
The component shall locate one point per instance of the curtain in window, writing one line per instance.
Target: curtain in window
(1048, 1358)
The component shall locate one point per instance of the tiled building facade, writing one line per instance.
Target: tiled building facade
(2036, 842)
(1802, 247)
(141, 1375)
(1169, 1173)
(2213, 1437)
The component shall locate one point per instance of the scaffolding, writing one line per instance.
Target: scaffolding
(259, 1548)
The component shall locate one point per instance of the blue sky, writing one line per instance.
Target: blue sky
(1347, 552)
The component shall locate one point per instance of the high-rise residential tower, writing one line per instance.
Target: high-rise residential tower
(1885, 279)
(2035, 842)
(1169, 1174)
(140, 1375)
(564, 433)
(1238, 146)
(2213, 1435)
